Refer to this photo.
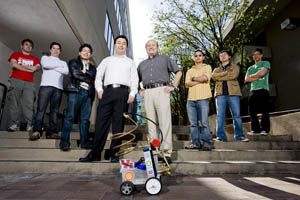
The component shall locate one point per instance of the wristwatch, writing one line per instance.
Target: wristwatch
(175, 88)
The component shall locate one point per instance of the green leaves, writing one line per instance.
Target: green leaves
(181, 26)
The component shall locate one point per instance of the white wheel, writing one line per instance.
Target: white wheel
(153, 186)
(127, 188)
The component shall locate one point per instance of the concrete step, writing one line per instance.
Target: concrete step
(26, 143)
(230, 137)
(180, 168)
(140, 129)
(180, 155)
(176, 136)
(258, 145)
(255, 145)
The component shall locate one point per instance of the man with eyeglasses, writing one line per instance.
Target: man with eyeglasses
(81, 94)
(120, 78)
(258, 76)
(154, 73)
(198, 82)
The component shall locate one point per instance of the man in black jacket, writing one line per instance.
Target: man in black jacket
(81, 93)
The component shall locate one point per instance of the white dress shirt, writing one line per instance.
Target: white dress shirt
(117, 70)
(53, 71)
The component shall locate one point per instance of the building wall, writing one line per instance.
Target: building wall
(5, 71)
(5, 66)
(285, 69)
(70, 22)
(87, 19)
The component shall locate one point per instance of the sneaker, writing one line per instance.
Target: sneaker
(206, 147)
(29, 128)
(34, 136)
(243, 139)
(264, 133)
(192, 146)
(13, 128)
(64, 146)
(217, 139)
(252, 133)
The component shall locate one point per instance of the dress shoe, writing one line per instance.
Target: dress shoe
(89, 158)
(114, 159)
(64, 146)
(107, 154)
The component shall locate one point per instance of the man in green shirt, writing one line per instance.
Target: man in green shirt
(258, 76)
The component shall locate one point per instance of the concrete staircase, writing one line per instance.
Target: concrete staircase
(261, 155)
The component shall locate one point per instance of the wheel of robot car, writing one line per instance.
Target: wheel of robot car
(127, 188)
(153, 186)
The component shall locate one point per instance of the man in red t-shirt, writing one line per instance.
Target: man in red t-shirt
(21, 91)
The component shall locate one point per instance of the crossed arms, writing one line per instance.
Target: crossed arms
(260, 74)
(24, 68)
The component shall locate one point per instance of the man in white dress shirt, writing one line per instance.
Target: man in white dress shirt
(120, 77)
(50, 91)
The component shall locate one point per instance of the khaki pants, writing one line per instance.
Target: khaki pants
(158, 109)
(20, 101)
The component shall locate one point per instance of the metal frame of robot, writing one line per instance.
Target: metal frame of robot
(137, 174)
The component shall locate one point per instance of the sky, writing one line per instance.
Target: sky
(141, 12)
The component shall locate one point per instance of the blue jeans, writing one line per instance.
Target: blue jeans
(75, 101)
(234, 107)
(48, 94)
(198, 111)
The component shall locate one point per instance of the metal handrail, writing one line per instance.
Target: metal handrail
(273, 113)
(3, 100)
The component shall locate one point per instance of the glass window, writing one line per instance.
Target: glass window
(121, 27)
(126, 22)
(108, 35)
(106, 28)
(116, 3)
(112, 46)
(118, 15)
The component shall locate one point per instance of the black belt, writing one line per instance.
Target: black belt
(116, 86)
(155, 85)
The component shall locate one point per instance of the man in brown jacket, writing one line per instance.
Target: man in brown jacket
(227, 91)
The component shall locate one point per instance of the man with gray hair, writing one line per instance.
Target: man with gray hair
(154, 73)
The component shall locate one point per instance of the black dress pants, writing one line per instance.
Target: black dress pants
(110, 109)
(259, 102)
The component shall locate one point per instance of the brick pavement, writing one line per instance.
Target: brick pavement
(67, 187)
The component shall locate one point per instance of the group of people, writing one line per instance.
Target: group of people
(227, 92)
(116, 81)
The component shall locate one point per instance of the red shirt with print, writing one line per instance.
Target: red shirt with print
(26, 60)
